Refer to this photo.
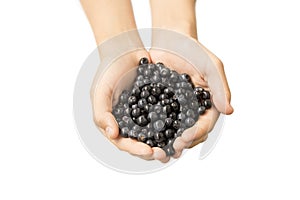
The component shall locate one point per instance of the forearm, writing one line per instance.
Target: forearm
(177, 15)
(109, 18)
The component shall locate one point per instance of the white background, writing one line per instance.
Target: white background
(42, 47)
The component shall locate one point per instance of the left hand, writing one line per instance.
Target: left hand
(199, 132)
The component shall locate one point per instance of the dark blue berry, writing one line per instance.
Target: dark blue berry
(142, 137)
(151, 99)
(207, 104)
(142, 120)
(124, 132)
(143, 61)
(132, 100)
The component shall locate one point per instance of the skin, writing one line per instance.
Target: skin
(180, 16)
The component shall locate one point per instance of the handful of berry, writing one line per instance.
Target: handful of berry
(160, 106)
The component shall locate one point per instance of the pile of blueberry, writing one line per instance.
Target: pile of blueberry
(160, 106)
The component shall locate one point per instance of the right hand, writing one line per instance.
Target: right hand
(102, 100)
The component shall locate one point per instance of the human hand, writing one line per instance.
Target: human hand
(103, 93)
(199, 132)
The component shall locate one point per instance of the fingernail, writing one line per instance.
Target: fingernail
(109, 131)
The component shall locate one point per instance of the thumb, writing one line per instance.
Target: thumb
(218, 85)
(102, 107)
(107, 123)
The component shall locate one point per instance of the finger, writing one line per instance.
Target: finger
(178, 146)
(133, 147)
(159, 154)
(198, 141)
(218, 85)
(202, 127)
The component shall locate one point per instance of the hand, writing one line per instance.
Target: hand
(102, 100)
(199, 132)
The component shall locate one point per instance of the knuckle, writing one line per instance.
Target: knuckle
(218, 63)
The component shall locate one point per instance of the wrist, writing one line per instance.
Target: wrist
(120, 44)
(179, 16)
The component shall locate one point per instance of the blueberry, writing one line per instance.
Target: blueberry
(175, 106)
(142, 120)
(124, 96)
(169, 133)
(140, 77)
(141, 69)
(198, 89)
(139, 83)
(157, 109)
(152, 116)
(179, 132)
(168, 122)
(164, 72)
(190, 113)
(165, 102)
(176, 124)
(149, 126)
(161, 86)
(160, 64)
(172, 115)
(194, 105)
(117, 111)
(181, 116)
(163, 116)
(156, 91)
(189, 122)
(182, 100)
(174, 76)
(169, 150)
(205, 95)
(145, 94)
(159, 136)
(189, 94)
(132, 100)
(136, 112)
(124, 132)
(136, 128)
(142, 137)
(147, 108)
(142, 103)
(156, 78)
(121, 124)
(147, 72)
(151, 99)
(132, 134)
(161, 144)
(146, 81)
(152, 67)
(127, 111)
(185, 77)
(159, 125)
(146, 87)
(162, 96)
(150, 143)
(150, 134)
(126, 119)
(143, 61)
(169, 91)
(167, 109)
(201, 110)
(207, 103)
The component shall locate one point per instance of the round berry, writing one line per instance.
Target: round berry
(142, 120)
(143, 61)
(132, 100)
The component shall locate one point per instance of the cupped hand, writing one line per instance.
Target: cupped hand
(104, 92)
(199, 132)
